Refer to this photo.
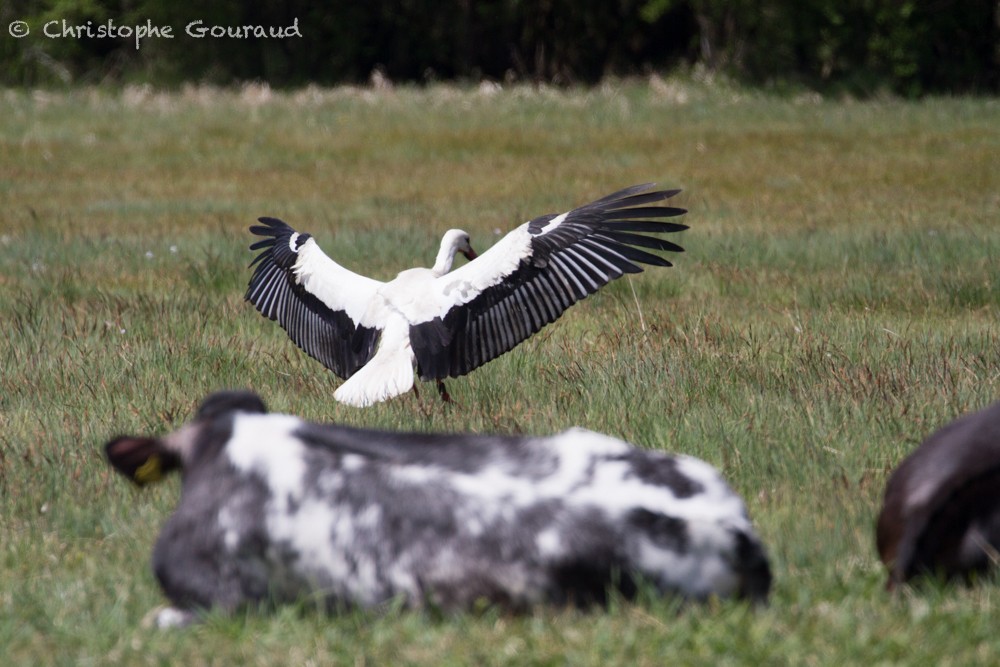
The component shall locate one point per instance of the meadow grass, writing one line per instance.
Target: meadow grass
(838, 302)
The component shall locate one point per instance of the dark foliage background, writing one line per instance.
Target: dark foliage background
(856, 46)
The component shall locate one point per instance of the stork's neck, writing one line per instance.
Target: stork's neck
(445, 257)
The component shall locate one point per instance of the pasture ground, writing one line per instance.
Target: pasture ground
(839, 300)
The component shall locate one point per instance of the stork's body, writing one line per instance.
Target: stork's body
(445, 323)
(398, 305)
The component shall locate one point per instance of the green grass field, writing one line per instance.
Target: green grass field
(839, 300)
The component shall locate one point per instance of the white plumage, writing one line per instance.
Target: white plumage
(445, 323)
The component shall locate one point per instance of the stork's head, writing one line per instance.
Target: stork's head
(454, 240)
(461, 242)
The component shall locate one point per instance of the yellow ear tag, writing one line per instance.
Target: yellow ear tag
(149, 472)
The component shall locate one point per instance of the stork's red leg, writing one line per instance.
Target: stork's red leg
(445, 396)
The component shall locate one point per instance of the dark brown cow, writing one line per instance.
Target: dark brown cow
(941, 513)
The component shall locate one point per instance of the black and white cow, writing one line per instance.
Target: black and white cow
(941, 512)
(274, 508)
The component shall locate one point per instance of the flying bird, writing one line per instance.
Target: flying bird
(440, 323)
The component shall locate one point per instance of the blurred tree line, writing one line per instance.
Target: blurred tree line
(910, 47)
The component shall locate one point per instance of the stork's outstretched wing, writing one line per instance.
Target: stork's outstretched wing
(532, 275)
(318, 302)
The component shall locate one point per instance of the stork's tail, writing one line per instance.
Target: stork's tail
(388, 374)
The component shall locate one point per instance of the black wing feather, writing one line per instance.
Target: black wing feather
(592, 246)
(328, 336)
(628, 238)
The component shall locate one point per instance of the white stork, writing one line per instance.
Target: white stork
(445, 323)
